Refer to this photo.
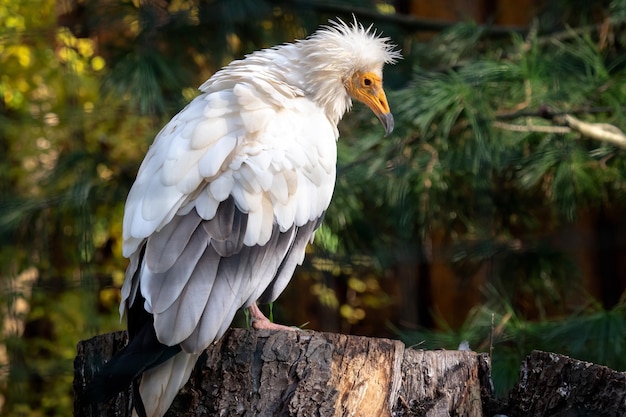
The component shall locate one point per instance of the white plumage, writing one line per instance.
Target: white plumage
(234, 187)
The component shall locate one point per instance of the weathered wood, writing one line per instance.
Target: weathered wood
(90, 355)
(304, 373)
(559, 386)
(440, 383)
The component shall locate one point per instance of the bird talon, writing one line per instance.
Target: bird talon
(258, 320)
(268, 325)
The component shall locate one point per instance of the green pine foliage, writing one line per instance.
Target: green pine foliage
(479, 151)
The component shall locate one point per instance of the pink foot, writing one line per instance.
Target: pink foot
(259, 321)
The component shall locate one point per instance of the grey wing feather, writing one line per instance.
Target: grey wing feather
(220, 227)
(195, 298)
(238, 276)
(294, 257)
(166, 245)
(131, 282)
(227, 244)
(179, 320)
(161, 289)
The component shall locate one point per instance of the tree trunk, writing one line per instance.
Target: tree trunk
(555, 385)
(304, 373)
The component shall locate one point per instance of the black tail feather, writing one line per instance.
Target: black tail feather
(143, 352)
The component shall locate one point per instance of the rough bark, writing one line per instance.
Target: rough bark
(303, 373)
(558, 386)
(90, 355)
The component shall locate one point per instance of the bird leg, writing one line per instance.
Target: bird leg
(259, 321)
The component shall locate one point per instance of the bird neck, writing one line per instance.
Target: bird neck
(322, 80)
(296, 68)
(303, 67)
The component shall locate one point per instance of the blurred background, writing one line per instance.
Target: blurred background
(486, 217)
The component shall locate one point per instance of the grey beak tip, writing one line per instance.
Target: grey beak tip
(387, 122)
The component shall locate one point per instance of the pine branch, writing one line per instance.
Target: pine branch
(604, 132)
(531, 128)
(569, 33)
(547, 113)
(566, 123)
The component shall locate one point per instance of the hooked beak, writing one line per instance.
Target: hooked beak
(368, 88)
(387, 120)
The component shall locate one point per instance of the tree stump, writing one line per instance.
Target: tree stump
(304, 373)
(559, 386)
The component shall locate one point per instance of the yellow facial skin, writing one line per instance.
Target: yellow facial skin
(367, 87)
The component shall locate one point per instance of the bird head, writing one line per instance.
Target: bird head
(344, 62)
(367, 87)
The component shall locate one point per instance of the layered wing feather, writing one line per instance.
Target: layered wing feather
(224, 203)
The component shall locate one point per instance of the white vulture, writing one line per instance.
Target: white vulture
(229, 195)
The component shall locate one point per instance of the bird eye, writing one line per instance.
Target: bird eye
(367, 82)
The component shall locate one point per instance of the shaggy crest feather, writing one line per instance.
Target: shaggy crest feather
(334, 53)
(355, 46)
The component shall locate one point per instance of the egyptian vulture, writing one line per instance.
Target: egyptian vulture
(227, 198)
